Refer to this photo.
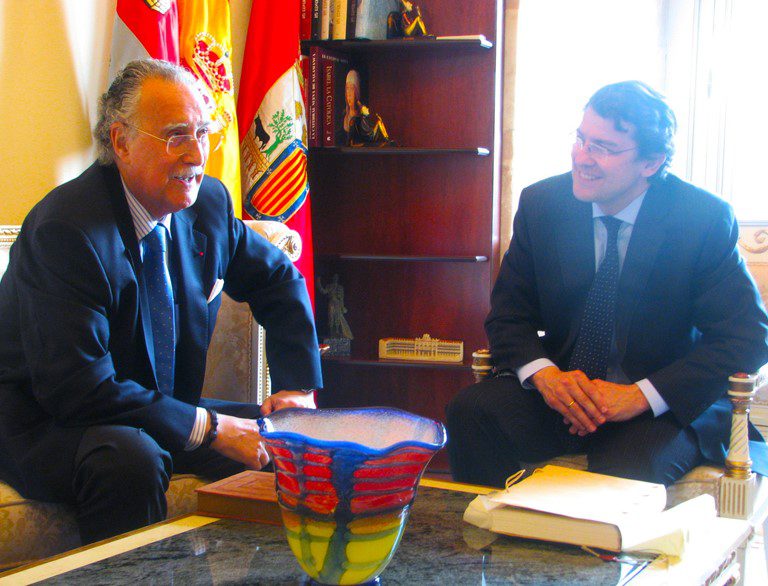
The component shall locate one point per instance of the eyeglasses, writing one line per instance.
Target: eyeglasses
(180, 144)
(597, 150)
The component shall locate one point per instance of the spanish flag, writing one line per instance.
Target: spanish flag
(205, 46)
(273, 127)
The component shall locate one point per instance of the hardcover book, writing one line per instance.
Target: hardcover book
(335, 67)
(583, 508)
(305, 14)
(325, 20)
(249, 496)
(317, 6)
(344, 19)
(372, 18)
(314, 107)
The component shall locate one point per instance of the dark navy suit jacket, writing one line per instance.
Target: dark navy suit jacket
(688, 313)
(75, 336)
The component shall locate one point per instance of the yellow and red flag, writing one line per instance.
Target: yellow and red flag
(205, 46)
(273, 125)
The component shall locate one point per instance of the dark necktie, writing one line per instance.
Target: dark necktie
(593, 344)
(160, 297)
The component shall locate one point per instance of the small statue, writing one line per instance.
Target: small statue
(406, 23)
(363, 128)
(368, 130)
(340, 333)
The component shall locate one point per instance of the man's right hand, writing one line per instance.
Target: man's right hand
(239, 439)
(574, 396)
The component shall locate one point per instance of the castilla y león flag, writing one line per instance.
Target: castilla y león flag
(270, 109)
(142, 29)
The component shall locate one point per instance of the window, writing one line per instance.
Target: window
(709, 57)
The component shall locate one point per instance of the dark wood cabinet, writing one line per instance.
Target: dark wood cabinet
(412, 230)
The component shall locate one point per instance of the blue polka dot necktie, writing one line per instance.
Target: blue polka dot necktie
(593, 343)
(160, 297)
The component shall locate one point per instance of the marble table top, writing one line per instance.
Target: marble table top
(437, 548)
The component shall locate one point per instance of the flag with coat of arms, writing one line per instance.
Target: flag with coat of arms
(273, 129)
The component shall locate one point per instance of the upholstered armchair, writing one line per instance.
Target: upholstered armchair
(236, 370)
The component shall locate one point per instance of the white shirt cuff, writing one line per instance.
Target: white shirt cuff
(197, 435)
(658, 405)
(528, 370)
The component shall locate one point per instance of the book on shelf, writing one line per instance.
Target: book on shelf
(305, 19)
(344, 19)
(372, 18)
(583, 508)
(334, 68)
(317, 7)
(249, 496)
(314, 107)
(325, 20)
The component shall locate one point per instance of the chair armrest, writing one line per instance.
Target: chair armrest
(742, 388)
(481, 364)
(287, 240)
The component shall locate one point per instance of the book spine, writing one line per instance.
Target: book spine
(329, 70)
(351, 18)
(305, 24)
(316, 9)
(325, 20)
(313, 117)
(339, 29)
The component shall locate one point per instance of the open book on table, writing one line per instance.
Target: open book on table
(583, 508)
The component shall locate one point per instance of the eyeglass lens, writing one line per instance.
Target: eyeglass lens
(184, 142)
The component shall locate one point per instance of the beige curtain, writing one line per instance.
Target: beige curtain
(507, 204)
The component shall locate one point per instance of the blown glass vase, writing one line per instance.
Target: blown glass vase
(345, 482)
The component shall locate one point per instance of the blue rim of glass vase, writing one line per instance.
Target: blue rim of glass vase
(337, 444)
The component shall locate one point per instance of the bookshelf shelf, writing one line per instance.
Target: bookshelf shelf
(403, 258)
(416, 44)
(390, 363)
(379, 151)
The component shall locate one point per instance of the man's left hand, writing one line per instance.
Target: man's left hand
(624, 402)
(283, 399)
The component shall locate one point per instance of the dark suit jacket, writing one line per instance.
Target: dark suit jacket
(688, 312)
(75, 335)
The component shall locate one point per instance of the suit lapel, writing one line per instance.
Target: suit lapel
(576, 251)
(127, 232)
(648, 236)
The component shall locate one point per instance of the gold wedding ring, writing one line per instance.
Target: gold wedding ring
(571, 403)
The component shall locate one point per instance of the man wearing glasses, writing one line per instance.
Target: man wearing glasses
(620, 310)
(108, 306)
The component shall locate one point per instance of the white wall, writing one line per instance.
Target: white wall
(53, 66)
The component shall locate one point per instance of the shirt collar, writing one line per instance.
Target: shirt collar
(143, 222)
(628, 214)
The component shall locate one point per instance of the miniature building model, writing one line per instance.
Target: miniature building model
(425, 349)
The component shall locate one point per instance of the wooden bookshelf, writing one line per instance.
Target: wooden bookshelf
(412, 230)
